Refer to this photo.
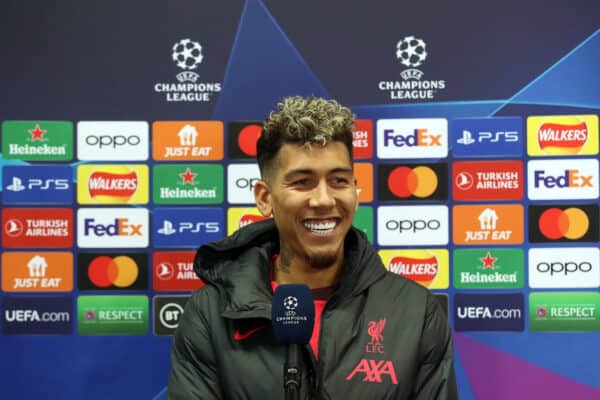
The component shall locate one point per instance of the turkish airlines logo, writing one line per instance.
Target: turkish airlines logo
(551, 180)
(489, 224)
(37, 227)
(562, 135)
(413, 182)
(412, 225)
(412, 138)
(487, 180)
(563, 223)
(174, 271)
(242, 139)
(362, 139)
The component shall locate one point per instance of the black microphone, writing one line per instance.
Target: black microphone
(293, 317)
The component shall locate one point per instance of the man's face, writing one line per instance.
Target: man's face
(311, 193)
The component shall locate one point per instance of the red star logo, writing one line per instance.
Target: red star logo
(37, 133)
(488, 261)
(188, 177)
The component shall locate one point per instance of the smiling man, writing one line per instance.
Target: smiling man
(376, 334)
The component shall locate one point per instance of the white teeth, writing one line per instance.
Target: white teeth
(321, 227)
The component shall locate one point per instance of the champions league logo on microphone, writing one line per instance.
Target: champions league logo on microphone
(187, 55)
(290, 304)
(411, 52)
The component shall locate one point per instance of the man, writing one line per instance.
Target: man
(376, 336)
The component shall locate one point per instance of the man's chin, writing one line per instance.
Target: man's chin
(322, 260)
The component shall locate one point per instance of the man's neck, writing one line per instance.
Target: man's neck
(301, 272)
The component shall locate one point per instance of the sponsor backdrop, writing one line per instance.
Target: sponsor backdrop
(128, 133)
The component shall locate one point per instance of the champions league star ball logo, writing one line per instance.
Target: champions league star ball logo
(290, 303)
(187, 55)
(411, 51)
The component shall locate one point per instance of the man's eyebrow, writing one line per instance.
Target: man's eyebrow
(308, 171)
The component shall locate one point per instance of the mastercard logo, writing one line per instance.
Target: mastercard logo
(120, 271)
(571, 223)
(247, 139)
(405, 181)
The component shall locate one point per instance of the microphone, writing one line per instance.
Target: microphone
(293, 317)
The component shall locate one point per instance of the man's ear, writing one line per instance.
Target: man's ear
(262, 196)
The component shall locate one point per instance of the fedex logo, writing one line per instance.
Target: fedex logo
(549, 179)
(120, 227)
(47, 184)
(498, 136)
(112, 227)
(412, 138)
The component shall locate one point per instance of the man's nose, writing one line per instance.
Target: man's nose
(322, 196)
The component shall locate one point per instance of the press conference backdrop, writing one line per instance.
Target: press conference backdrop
(128, 133)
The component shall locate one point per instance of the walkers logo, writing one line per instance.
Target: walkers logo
(37, 272)
(112, 140)
(413, 182)
(112, 184)
(562, 135)
(167, 313)
(495, 137)
(186, 227)
(187, 184)
(567, 267)
(112, 315)
(564, 312)
(37, 184)
(363, 221)
(37, 315)
(412, 225)
(493, 268)
(37, 227)
(489, 312)
(429, 267)
(411, 52)
(112, 271)
(412, 138)
(563, 223)
(112, 227)
(187, 140)
(554, 180)
(487, 180)
(37, 140)
(362, 139)
(238, 217)
(174, 271)
(364, 181)
(187, 55)
(242, 139)
(488, 224)
(240, 183)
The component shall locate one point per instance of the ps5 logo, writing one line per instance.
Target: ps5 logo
(488, 137)
(169, 228)
(40, 184)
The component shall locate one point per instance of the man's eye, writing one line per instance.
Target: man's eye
(340, 181)
(303, 181)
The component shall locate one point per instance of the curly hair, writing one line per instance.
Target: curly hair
(305, 120)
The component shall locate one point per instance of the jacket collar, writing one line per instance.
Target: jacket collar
(239, 267)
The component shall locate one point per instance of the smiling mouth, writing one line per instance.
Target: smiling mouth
(322, 227)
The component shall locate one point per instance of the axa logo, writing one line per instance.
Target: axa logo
(412, 138)
(374, 371)
(559, 223)
(562, 135)
(375, 331)
(413, 182)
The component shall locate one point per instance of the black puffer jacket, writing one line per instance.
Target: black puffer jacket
(382, 336)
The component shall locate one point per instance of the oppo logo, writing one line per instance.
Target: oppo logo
(412, 225)
(112, 140)
(246, 183)
(563, 268)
